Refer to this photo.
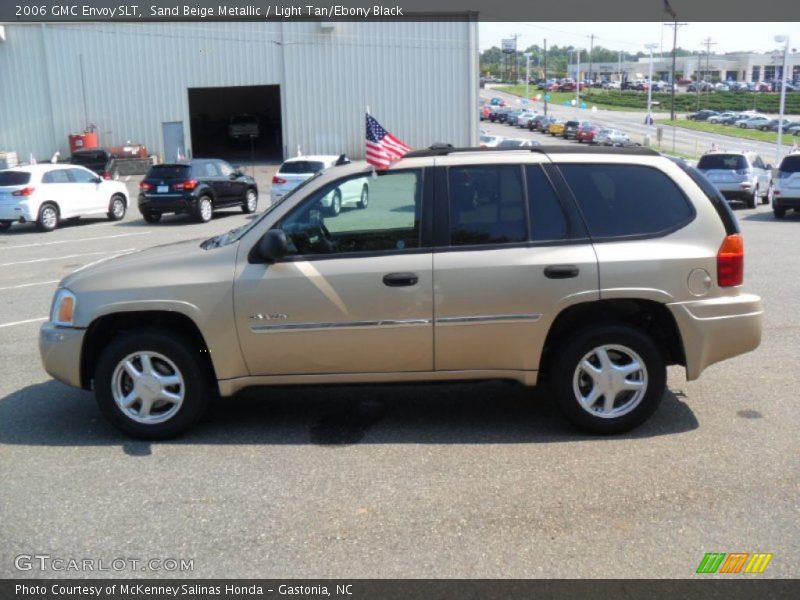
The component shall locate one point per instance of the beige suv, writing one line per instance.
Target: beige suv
(589, 269)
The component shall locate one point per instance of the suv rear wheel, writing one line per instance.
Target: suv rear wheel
(152, 217)
(609, 379)
(250, 201)
(204, 209)
(151, 385)
(48, 217)
(753, 201)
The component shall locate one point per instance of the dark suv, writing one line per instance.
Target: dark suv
(196, 187)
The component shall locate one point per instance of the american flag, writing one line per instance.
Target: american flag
(382, 147)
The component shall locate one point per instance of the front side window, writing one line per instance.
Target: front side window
(224, 168)
(358, 214)
(486, 205)
(626, 200)
(205, 170)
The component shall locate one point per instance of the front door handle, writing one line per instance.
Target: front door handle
(561, 271)
(400, 279)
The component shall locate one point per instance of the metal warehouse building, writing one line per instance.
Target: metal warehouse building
(175, 86)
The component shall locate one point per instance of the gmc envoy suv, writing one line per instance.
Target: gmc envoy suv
(588, 269)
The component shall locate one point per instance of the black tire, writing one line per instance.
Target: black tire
(766, 198)
(565, 375)
(779, 212)
(48, 217)
(752, 201)
(151, 217)
(117, 207)
(250, 203)
(5, 225)
(364, 201)
(336, 204)
(197, 387)
(204, 209)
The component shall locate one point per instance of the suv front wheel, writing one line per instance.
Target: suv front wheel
(151, 385)
(609, 379)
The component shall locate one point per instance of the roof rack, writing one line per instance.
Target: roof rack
(441, 149)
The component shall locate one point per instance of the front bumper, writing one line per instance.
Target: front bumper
(716, 329)
(60, 349)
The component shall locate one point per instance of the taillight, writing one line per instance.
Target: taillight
(189, 184)
(26, 191)
(730, 261)
(278, 180)
(144, 186)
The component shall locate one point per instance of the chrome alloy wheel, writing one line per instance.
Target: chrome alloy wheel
(610, 381)
(148, 387)
(205, 209)
(49, 217)
(118, 208)
(252, 200)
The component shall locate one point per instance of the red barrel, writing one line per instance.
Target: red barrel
(80, 141)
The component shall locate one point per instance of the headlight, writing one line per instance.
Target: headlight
(63, 307)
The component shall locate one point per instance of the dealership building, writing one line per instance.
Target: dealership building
(176, 87)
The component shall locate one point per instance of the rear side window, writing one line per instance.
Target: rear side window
(548, 222)
(725, 162)
(486, 205)
(59, 176)
(14, 178)
(790, 165)
(627, 200)
(205, 169)
(168, 172)
(302, 166)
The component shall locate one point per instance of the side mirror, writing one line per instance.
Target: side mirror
(273, 246)
(98, 180)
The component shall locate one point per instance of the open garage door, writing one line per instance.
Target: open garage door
(236, 123)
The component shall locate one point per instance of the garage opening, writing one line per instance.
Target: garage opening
(236, 123)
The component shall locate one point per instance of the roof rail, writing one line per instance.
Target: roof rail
(440, 149)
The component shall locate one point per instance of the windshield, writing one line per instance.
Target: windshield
(726, 162)
(14, 177)
(296, 167)
(234, 235)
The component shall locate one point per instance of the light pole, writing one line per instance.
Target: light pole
(527, 75)
(779, 39)
(578, 78)
(649, 119)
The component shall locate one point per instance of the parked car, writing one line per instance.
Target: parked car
(511, 117)
(500, 115)
(700, 86)
(244, 127)
(537, 122)
(571, 129)
(611, 137)
(786, 189)
(50, 193)
(524, 118)
(701, 115)
(484, 112)
(556, 127)
(793, 129)
(265, 304)
(612, 85)
(489, 141)
(739, 176)
(111, 163)
(752, 122)
(295, 171)
(721, 86)
(517, 143)
(718, 119)
(587, 133)
(196, 187)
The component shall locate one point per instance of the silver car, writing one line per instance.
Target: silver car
(739, 176)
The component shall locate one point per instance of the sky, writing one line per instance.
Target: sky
(632, 37)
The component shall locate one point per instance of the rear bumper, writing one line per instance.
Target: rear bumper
(717, 329)
(16, 212)
(166, 203)
(60, 349)
(786, 201)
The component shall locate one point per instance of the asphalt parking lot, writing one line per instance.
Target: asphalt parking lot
(458, 480)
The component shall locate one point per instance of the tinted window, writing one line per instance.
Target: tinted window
(621, 200)
(14, 177)
(59, 176)
(85, 158)
(389, 222)
(790, 164)
(81, 176)
(204, 169)
(727, 162)
(301, 166)
(547, 216)
(486, 205)
(168, 172)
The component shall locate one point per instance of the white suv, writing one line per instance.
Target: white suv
(45, 194)
(786, 190)
(738, 175)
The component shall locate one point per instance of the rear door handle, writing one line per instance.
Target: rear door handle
(400, 279)
(561, 271)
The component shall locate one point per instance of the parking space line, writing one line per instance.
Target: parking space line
(24, 285)
(90, 239)
(22, 322)
(36, 260)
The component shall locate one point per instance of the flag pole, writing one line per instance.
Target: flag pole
(374, 173)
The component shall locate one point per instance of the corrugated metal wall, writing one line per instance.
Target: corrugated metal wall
(419, 79)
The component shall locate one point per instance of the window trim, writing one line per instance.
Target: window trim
(636, 236)
(253, 258)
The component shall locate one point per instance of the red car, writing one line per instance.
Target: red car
(586, 133)
(567, 87)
